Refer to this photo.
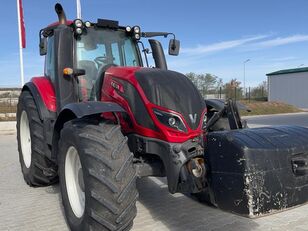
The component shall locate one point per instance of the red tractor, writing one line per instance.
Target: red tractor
(98, 119)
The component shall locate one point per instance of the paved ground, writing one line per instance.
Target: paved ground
(25, 208)
(299, 119)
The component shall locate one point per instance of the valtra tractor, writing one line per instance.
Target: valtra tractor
(99, 118)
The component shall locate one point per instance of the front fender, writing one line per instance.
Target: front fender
(91, 108)
(79, 110)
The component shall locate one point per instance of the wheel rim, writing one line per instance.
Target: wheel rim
(74, 182)
(25, 139)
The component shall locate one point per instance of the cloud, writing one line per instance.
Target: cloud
(247, 44)
(220, 46)
(282, 41)
(283, 59)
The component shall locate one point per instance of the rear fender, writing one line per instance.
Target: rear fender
(46, 115)
(45, 107)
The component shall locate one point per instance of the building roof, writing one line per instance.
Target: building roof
(289, 71)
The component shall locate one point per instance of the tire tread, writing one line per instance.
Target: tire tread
(34, 176)
(111, 181)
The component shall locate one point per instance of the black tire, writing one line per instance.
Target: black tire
(109, 177)
(41, 171)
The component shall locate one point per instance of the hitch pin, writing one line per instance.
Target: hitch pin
(196, 167)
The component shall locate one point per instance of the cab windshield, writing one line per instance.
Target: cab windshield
(98, 47)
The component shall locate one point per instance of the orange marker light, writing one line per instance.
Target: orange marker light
(68, 71)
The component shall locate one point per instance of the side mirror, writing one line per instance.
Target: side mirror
(79, 72)
(43, 46)
(174, 47)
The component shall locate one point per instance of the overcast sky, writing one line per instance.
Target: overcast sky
(216, 36)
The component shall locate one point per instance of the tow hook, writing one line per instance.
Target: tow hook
(196, 167)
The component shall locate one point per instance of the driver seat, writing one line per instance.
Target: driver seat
(87, 81)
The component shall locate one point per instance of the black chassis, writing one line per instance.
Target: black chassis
(170, 159)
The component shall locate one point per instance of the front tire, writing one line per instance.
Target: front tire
(97, 177)
(37, 169)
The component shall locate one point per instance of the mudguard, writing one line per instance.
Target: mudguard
(42, 92)
(91, 108)
(44, 111)
(253, 172)
(79, 110)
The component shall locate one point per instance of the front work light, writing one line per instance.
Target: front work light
(78, 23)
(137, 29)
(137, 36)
(136, 32)
(78, 30)
(128, 29)
(87, 24)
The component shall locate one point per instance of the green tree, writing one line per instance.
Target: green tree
(205, 83)
(233, 89)
(259, 92)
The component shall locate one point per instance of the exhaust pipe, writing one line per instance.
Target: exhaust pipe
(158, 54)
(61, 14)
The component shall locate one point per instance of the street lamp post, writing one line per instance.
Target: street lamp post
(246, 61)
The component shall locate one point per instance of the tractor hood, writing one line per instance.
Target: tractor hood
(174, 91)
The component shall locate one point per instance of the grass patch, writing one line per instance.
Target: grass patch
(2, 119)
(6, 111)
(7, 108)
(267, 108)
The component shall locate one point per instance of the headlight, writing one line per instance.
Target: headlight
(78, 23)
(128, 29)
(137, 32)
(79, 31)
(170, 120)
(137, 29)
(87, 24)
(137, 36)
(78, 26)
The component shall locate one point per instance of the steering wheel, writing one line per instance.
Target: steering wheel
(100, 60)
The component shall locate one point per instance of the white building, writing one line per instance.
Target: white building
(289, 86)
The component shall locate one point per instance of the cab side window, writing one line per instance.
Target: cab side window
(50, 60)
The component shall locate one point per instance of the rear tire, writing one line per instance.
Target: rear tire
(37, 169)
(105, 181)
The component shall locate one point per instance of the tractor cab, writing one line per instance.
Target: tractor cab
(79, 53)
(98, 48)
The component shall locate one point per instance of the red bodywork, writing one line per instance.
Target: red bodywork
(47, 92)
(110, 93)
